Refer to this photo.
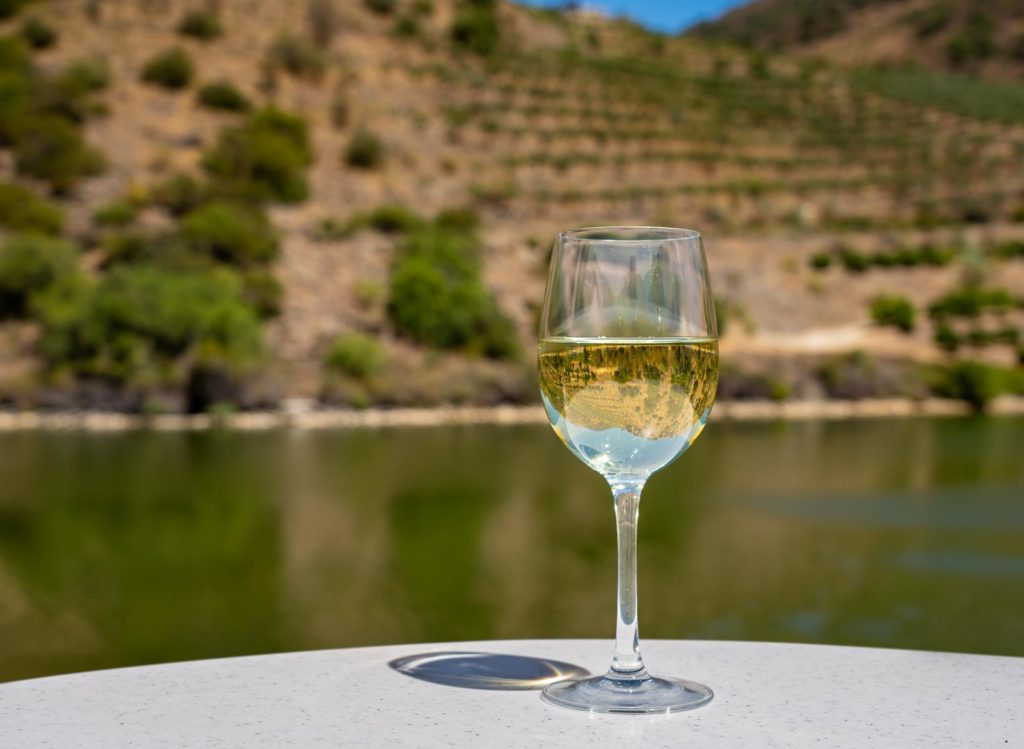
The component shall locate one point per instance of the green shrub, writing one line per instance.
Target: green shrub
(946, 338)
(976, 41)
(458, 219)
(15, 55)
(365, 150)
(296, 56)
(436, 296)
(23, 210)
(138, 320)
(68, 93)
(116, 213)
(392, 219)
(476, 27)
(222, 95)
(975, 212)
(380, 7)
(52, 150)
(10, 8)
(15, 95)
(30, 264)
(265, 158)
(1008, 250)
(179, 194)
(736, 384)
(821, 260)
(853, 376)
(934, 256)
(166, 250)
(263, 292)
(38, 33)
(893, 310)
(970, 303)
(201, 24)
(230, 233)
(356, 355)
(969, 381)
(407, 27)
(853, 261)
(171, 69)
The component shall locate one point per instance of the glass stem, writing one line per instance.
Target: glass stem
(627, 662)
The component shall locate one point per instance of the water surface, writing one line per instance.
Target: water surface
(135, 548)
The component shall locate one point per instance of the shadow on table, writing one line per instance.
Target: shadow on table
(486, 670)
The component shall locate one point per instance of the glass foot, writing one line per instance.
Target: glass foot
(601, 694)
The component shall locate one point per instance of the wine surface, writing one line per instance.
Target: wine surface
(628, 407)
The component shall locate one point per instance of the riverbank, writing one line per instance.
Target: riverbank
(305, 417)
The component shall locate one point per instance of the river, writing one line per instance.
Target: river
(142, 547)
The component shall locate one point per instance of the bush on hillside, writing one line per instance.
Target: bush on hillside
(364, 150)
(854, 261)
(222, 95)
(968, 381)
(970, 303)
(178, 194)
(407, 27)
(15, 55)
(23, 210)
(200, 24)
(263, 159)
(138, 320)
(38, 33)
(390, 219)
(893, 310)
(821, 260)
(30, 264)
(946, 338)
(296, 56)
(230, 233)
(115, 213)
(10, 8)
(165, 250)
(380, 7)
(437, 298)
(476, 28)
(356, 355)
(68, 93)
(263, 292)
(52, 150)
(171, 69)
(976, 41)
(458, 219)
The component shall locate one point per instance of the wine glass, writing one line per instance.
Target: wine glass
(628, 363)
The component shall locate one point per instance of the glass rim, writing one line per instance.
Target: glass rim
(656, 234)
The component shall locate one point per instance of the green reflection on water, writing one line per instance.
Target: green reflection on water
(138, 548)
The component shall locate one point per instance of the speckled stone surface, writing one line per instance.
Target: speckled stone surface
(766, 695)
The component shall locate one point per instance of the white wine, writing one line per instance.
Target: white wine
(628, 406)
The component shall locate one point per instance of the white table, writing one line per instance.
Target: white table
(766, 695)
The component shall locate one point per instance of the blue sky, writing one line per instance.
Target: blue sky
(664, 15)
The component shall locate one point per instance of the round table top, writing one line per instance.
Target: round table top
(766, 695)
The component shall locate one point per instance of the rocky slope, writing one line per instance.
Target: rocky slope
(816, 189)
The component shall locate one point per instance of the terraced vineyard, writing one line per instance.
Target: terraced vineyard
(839, 214)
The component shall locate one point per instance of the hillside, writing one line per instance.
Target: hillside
(359, 211)
(983, 37)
